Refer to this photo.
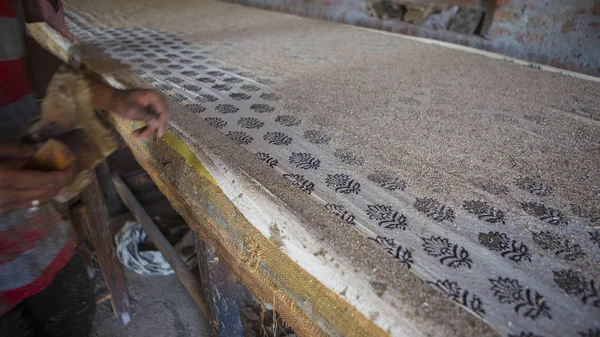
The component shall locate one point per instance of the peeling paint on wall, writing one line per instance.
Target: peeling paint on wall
(560, 33)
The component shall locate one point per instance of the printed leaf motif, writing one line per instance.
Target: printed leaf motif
(162, 72)
(199, 57)
(221, 87)
(216, 122)
(250, 123)
(484, 211)
(589, 333)
(546, 214)
(149, 79)
(197, 108)
(178, 97)
(287, 120)
(163, 61)
(175, 80)
(341, 212)
(140, 72)
(227, 108)
(595, 237)
(348, 157)
(192, 87)
(508, 248)
(240, 137)
(342, 183)
(450, 255)
(398, 252)
(524, 334)
(387, 217)
(174, 67)
(533, 186)
(564, 249)
(460, 296)
(215, 73)
(277, 138)
(232, 80)
(304, 161)
(317, 137)
(250, 87)
(205, 80)
(239, 96)
(206, 98)
(574, 283)
(300, 182)
(189, 73)
(147, 66)
(164, 87)
(200, 66)
(267, 159)
(527, 302)
(269, 97)
(434, 209)
(387, 180)
(262, 108)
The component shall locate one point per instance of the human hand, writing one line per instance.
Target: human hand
(21, 188)
(142, 105)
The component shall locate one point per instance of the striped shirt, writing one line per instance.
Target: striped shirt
(34, 245)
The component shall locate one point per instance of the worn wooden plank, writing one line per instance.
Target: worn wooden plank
(218, 286)
(97, 221)
(187, 278)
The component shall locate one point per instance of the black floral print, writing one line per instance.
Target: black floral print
(178, 97)
(400, 253)
(454, 256)
(387, 180)
(190, 73)
(215, 73)
(575, 284)
(300, 182)
(162, 72)
(227, 108)
(164, 87)
(460, 296)
(341, 212)
(222, 87)
(206, 98)
(269, 97)
(174, 67)
(342, 183)
(305, 161)
(216, 122)
(240, 137)
(546, 214)
(267, 159)
(595, 237)
(277, 138)
(192, 87)
(250, 123)
(484, 211)
(232, 80)
(348, 157)
(533, 186)
(527, 302)
(317, 137)
(197, 108)
(175, 80)
(387, 217)
(286, 120)
(250, 87)
(562, 248)
(205, 80)
(201, 67)
(434, 209)
(239, 96)
(262, 108)
(510, 249)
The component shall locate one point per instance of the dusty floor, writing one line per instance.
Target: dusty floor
(155, 312)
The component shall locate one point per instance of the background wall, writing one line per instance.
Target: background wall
(561, 33)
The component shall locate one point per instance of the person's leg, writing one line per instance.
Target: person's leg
(67, 306)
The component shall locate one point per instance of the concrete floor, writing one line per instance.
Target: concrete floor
(160, 306)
